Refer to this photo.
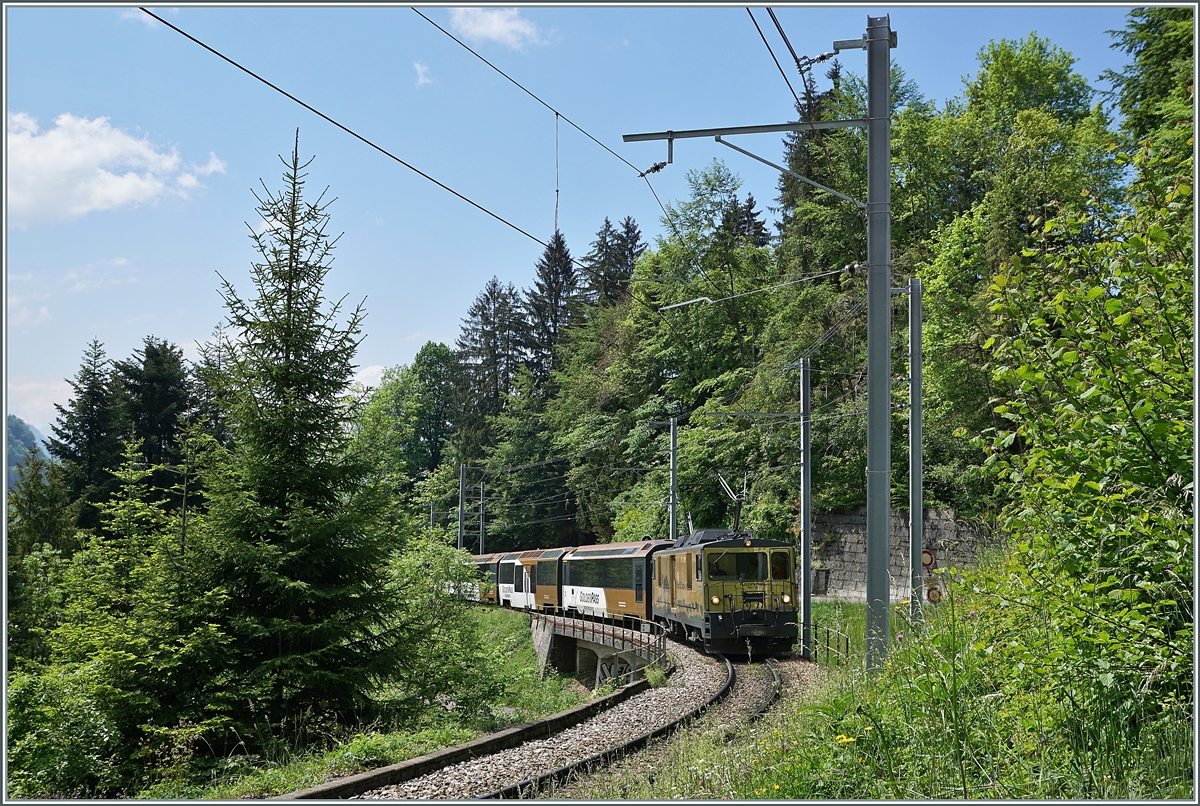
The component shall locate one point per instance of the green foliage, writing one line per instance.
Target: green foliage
(441, 640)
(1156, 93)
(295, 533)
(154, 386)
(62, 738)
(407, 421)
(1098, 349)
(948, 717)
(87, 433)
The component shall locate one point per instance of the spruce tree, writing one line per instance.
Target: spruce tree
(550, 307)
(295, 532)
(87, 433)
(155, 389)
(602, 266)
(490, 350)
(492, 342)
(631, 248)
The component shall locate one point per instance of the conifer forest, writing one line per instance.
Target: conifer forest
(221, 557)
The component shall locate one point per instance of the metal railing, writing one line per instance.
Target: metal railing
(830, 646)
(648, 643)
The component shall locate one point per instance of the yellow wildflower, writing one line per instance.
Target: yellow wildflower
(845, 739)
(869, 727)
(776, 786)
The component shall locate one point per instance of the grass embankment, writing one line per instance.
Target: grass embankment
(950, 716)
(526, 696)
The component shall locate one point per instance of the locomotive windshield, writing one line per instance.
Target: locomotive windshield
(780, 565)
(743, 565)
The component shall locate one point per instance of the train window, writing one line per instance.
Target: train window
(506, 573)
(696, 558)
(605, 573)
(699, 566)
(780, 566)
(546, 572)
(518, 578)
(728, 566)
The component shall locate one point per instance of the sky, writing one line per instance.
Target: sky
(132, 154)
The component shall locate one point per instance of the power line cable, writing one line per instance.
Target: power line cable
(353, 133)
(791, 50)
(777, 64)
(641, 174)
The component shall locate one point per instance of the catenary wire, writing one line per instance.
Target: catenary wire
(578, 128)
(355, 134)
(769, 50)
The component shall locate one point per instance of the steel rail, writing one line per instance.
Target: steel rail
(776, 692)
(530, 786)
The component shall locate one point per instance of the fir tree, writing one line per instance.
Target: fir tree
(156, 390)
(631, 249)
(602, 267)
(87, 433)
(491, 343)
(550, 306)
(490, 350)
(295, 534)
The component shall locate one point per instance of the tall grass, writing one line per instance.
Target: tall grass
(948, 717)
(526, 695)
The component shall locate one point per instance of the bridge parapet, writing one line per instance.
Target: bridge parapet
(576, 646)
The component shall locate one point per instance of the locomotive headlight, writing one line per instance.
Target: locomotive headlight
(786, 598)
(716, 600)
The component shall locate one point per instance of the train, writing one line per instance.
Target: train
(725, 589)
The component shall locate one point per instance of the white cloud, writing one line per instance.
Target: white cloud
(422, 74)
(33, 401)
(100, 274)
(503, 25)
(213, 166)
(23, 312)
(82, 166)
(420, 334)
(147, 20)
(370, 376)
(267, 225)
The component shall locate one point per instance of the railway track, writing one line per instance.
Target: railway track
(698, 683)
(757, 688)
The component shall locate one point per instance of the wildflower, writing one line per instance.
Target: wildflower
(777, 785)
(845, 739)
(869, 727)
(899, 636)
(971, 614)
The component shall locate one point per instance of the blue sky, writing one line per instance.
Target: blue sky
(132, 153)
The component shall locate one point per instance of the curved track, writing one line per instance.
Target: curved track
(699, 682)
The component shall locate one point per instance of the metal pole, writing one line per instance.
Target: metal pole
(462, 478)
(879, 288)
(674, 503)
(481, 516)
(916, 506)
(806, 569)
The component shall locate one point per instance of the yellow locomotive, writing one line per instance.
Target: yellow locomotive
(734, 592)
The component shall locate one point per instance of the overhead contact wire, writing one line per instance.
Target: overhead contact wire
(772, 52)
(519, 86)
(349, 131)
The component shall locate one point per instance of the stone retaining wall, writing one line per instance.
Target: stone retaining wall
(840, 549)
